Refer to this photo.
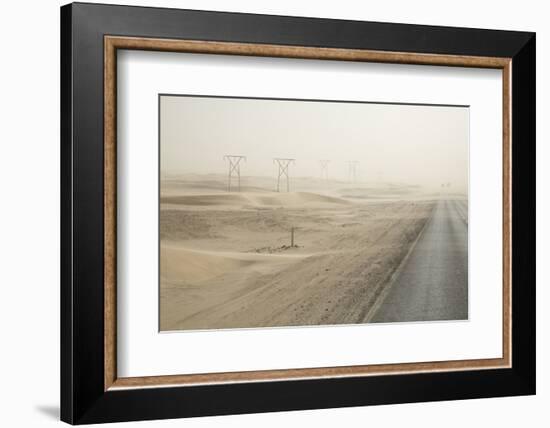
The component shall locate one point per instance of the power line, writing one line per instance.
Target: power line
(324, 168)
(283, 164)
(352, 171)
(234, 169)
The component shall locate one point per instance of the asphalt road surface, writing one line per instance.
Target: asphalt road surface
(432, 282)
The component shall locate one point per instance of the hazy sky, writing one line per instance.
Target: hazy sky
(425, 145)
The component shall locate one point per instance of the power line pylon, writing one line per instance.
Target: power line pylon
(352, 171)
(324, 168)
(234, 169)
(283, 171)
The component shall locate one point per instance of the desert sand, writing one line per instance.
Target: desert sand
(226, 258)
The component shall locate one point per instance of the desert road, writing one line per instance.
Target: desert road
(432, 282)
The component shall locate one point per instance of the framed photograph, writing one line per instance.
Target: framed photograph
(265, 213)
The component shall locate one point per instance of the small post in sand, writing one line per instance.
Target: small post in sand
(292, 236)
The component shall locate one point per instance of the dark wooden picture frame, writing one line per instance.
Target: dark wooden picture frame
(90, 389)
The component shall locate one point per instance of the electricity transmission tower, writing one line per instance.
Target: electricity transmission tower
(324, 168)
(352, 171)
(234, 169)
(283, 171)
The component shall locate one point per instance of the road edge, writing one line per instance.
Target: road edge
(387, 286)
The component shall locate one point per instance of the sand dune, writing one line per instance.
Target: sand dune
(257, 199)
(226, 259)
(296, 199)
(183, 266)
(206, 199)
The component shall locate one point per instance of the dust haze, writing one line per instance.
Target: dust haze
(410, 144)
(384, 240)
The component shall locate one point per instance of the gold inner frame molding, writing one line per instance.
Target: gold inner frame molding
(113, 43)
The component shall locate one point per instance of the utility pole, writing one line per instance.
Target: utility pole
(352, 171)
(283, 164)
(324, 168)
(234, 169)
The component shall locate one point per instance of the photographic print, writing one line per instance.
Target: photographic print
(289, 212)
